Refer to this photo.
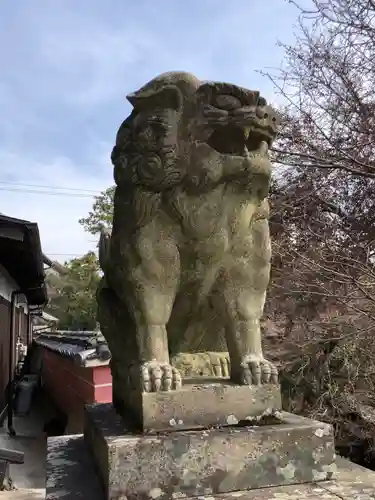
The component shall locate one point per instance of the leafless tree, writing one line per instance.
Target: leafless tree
(323, 220)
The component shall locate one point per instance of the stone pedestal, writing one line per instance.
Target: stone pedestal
(273, 450)
(200, 403)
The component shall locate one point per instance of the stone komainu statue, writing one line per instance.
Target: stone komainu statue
(189, 250)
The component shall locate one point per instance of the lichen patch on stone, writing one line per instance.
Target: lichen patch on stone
(319, 433)
(319, 475)
(178, 494)
(288, 471)
(155, 493)
(323, 431)
(232, 420)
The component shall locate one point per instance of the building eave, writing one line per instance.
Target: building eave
(21, 255)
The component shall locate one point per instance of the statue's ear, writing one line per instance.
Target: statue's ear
(168, 96)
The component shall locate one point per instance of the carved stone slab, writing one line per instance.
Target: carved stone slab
(207, 462)
(202, 402)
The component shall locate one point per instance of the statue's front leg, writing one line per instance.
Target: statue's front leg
(154, 279)
(153, 368)
(248, 365)
(244, 295)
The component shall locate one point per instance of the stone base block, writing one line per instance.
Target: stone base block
(181, 464)
(71, 476)
(200, 403)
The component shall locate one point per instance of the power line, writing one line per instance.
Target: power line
(64, 254)
(80, 193)
(48, 193)
(49, 187)
(70, 255)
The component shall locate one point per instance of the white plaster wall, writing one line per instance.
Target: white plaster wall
(7, 285)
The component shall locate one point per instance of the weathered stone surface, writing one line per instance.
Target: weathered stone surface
(189, 253)
(202, 402)
(71, 476)
(353, 482)
(206, 462)
(294, 492)
(351, 490)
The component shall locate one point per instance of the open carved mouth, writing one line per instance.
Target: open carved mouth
(231, 140)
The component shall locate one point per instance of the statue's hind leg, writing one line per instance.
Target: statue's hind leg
(244, 292)
(153, 273)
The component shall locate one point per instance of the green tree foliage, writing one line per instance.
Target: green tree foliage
(101, 214)
(72, 293)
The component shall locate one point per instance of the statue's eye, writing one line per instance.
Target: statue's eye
(226, 101)
(262, 101)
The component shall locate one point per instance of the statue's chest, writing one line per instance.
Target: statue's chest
(221, 211)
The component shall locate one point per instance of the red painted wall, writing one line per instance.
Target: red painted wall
(72, 386)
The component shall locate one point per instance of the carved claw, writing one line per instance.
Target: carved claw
(257, 371)
(156, 376)
(220, 364)
(224, 362)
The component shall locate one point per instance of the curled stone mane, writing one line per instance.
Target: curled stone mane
(144, 166)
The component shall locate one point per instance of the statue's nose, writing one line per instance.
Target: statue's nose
(245, 111)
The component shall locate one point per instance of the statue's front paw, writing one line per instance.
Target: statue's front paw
(256, 370)
(157, 376)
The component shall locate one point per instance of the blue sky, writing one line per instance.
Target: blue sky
(67, 66)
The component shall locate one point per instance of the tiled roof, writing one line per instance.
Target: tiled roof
(83, 347)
